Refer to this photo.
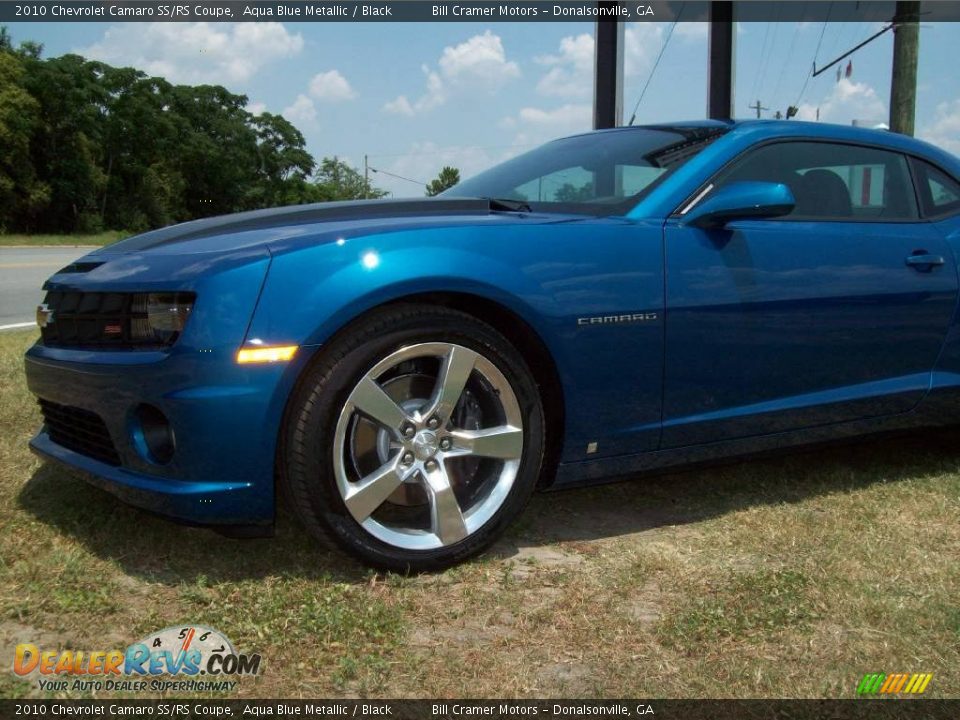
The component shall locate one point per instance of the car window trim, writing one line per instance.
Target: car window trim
(695, 197)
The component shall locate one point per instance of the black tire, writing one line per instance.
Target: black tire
(307, 441)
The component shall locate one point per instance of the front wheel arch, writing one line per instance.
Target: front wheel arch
(513, 326)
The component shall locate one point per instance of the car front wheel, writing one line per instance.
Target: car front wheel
(415, 438)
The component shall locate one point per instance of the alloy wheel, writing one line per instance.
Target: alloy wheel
(428, 445)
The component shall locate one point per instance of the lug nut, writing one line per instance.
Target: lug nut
(433, 423)
(409, 431)
(445, 444)
(431, 465)
(407, 458)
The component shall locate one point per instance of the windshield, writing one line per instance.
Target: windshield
(595, 174)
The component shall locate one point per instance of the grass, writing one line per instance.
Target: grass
(103, 238)
(786, 577)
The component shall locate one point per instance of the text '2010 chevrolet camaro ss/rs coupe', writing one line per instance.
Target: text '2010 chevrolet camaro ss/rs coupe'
(407, 373)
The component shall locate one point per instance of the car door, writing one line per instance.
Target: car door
(834, 312)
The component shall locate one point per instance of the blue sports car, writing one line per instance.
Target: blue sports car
(407, 373)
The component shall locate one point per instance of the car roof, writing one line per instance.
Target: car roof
(753, 130)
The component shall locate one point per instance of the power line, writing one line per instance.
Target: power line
(663, 48)
(816, 52)
(773, 43)
(786, 62)
(763, 57)
(399, 177)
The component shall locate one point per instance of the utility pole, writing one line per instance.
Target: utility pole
(758, 107)
(903, 81)
(366, 177)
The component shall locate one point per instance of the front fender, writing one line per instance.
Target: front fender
(548, 275)
(310, 293)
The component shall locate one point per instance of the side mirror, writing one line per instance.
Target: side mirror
(741, 200)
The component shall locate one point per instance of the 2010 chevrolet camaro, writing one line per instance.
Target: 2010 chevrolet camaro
(406, 373)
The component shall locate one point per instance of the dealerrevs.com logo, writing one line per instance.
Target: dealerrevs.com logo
(173, 659)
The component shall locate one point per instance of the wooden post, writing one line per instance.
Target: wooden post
(903, 81)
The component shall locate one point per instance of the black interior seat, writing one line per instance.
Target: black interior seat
(821, 193)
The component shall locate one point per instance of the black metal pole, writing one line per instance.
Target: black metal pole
(607, 68)
(720, 61)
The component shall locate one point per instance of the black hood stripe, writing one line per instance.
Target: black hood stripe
(301, 214)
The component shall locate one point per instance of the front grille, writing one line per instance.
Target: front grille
(103, 320)
(79, 430)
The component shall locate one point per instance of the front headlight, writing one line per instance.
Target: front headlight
(160, 317)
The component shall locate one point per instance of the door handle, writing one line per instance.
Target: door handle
(924, 262)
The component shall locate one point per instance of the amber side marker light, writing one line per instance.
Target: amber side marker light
(266, 354)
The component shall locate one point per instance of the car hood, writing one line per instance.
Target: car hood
(285, 224)
(182, 255)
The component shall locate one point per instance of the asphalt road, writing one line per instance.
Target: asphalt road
(22, 273)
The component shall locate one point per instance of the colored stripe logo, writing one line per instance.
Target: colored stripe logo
(906, 683)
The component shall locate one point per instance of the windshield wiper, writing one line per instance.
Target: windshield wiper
(508, 205)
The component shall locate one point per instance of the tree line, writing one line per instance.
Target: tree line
(85, 147)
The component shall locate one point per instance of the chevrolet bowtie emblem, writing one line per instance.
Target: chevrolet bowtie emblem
(44, 315)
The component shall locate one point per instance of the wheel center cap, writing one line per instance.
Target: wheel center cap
(425, 444)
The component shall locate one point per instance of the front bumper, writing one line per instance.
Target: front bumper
(225, 419)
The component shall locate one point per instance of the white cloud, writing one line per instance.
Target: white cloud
(481, 58)
(301, 111)
(944, 131)
(436, 94)
(196, 53)
(256, 108)
(846, 101)
(477, 63)
(641, 44)
(574, 116)
(399, 106)
(570, 70)
(331, 86)
(535, 125)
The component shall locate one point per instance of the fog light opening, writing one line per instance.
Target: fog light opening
(153, 434)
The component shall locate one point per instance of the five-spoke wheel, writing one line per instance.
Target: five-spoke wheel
(427, 438)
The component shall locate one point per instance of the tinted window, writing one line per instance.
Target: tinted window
(599, 173)
(833, 182)
(939, 193)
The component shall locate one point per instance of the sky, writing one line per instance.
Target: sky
(413, 97)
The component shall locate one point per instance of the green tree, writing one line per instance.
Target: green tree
(89, 146)
(66, 143)
(447, 178)
(335, 180)
(21, 193)
(568, 192)
(284, 163)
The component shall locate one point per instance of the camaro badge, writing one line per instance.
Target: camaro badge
(44, 315)
(618, 319)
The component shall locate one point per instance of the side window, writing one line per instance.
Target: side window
(831, 181)
(939, 193)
